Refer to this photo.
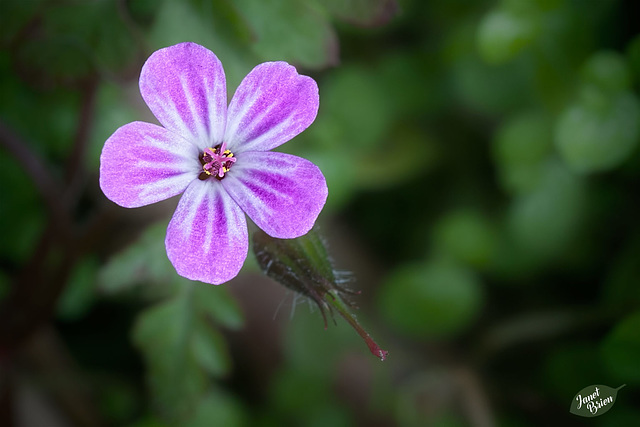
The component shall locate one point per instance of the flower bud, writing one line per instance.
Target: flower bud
(303, 265)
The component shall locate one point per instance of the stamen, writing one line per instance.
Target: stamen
(216, 161)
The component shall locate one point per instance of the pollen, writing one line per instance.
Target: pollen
(216, 161)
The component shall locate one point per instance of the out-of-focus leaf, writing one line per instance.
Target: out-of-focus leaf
(621, 350)
(290, 30)
(217, 303)
(56, 110)
(196, 21)
(436, 387)
(143, 11)
(433, 299)
(306, 400)
(113, 109)
(143, 261)
(180, 353)
(162, 334)
(571, 364)
(600, 135)
(467, 236)
(633, 58)
(76, 39)
(354, 114)
(362, 12)
(338, 170)
(621, 288)
(119, 399)
(520, 146)
(179, 21)
(14, 15)
(504, 33)
(622, 416)
(487, 88)
(312, 350)
(209, 349)
(79, 293)
(409, 152)
(547, 219)
(326, 413)
(608, 71)
(410, 84)
(149, 421)
(218, 408)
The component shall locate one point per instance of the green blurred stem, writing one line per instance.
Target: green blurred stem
(336, 302)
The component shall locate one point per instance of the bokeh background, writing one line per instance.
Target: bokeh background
(484, 188)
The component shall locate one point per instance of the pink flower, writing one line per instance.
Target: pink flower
(218, 156)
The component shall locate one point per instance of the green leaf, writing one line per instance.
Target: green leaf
(78, 38)
(290, 30)
(601, 135)
(414, 153)
(354, 112)
(217, 303)
(162, 334)
(113, 109)
(520, 146)
(621, 349)
(466, 236)
(218, 408)
(179, 21)
(366, 13)
(144, 261)
(571, 363)
(546, 220)
(57, 111)
(15, 16)
(633, 56)
(197, 21)
(503, 34)
(594, 400)
(80, 292)
(484, 87)
(607, 71)
(433, 299)
(209, 349)
(181, 352)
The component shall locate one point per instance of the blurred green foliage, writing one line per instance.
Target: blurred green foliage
(484, 155)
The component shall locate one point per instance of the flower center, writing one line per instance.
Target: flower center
(216, 161)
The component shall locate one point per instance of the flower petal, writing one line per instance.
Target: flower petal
(142, 163)
(207, 237)
(185, 88)
(281, 193)
(272, 105)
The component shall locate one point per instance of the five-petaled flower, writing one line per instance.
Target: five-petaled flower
(218, 156)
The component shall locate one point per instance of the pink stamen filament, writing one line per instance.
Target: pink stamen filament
(217, 161)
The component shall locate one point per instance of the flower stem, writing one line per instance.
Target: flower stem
(337, 303)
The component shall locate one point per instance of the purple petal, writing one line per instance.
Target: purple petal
(185, 88)
(281, 193)
(207, 237)
(142, 163)
(272, 105)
